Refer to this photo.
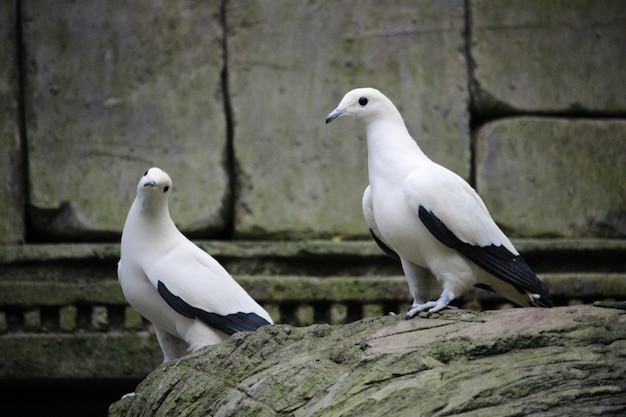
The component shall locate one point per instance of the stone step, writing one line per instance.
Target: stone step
(61, 305)
(48, 307)
(80, 356)
(110, 341)
(309, 257)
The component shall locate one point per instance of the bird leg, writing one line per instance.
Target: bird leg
(421, 285)
(172, 347)
(431, 306)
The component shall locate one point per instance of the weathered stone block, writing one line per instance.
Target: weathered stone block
(554, 177)
(132, 319)
(290, 63)
(32, 320)
(372, 310)
(305, 315)
(99, 318)
(545, 55)
(111, 90)
(67, 318)
(12, 194)
(338, 313)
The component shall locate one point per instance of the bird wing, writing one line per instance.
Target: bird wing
(454, 214)
(196, 286)
(368, 212)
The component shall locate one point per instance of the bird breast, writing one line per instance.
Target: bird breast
(398, 225)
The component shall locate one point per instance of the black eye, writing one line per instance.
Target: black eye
(363, 101)
(145, 173)
(165, 189)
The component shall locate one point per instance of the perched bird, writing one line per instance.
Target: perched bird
(430, 218)
(186, 294)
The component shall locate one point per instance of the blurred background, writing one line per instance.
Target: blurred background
(523, 98)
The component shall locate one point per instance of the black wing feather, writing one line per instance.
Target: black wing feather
(384, 247)
(497, 260)
(229, 324)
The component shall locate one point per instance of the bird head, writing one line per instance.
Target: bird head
(154, 183)
(366, 104)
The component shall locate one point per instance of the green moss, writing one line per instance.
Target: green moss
(446, 352)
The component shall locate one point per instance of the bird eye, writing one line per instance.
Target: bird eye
(165, 189)
(145, 173)
(363, 101)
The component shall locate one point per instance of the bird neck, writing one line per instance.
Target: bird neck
(391, 152)
(150, 221)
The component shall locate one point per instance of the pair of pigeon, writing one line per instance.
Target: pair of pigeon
(419, 212)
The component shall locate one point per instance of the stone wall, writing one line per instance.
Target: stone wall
(523, 98)
(547, 86)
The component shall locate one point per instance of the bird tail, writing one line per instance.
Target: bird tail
(541, 300)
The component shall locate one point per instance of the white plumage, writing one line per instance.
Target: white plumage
(430, 218)
(186, 294)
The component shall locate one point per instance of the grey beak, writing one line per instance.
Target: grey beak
(334, 114)
(150, 183)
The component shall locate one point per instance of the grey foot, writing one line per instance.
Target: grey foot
(430, 307)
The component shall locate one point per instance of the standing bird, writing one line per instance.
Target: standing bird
(430, 218)
(187, 295)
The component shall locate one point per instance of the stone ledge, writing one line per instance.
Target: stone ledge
(276, 289)
(51, 307)
(10, 254)
(50, 322)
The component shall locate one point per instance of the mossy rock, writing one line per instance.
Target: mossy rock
(553, 362)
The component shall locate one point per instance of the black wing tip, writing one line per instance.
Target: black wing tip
(244, 322)
(233, 323)
(497, 260)
(536, 300)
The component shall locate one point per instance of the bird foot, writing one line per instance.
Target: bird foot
(430, 307)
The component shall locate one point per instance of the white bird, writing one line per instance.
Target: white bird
(430, 218)
(185, 293)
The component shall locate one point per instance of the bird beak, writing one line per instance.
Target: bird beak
(334, 114)
(150, 183)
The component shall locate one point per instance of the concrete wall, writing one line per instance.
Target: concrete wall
(524, 98)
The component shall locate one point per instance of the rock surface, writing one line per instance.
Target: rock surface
(547, 362)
